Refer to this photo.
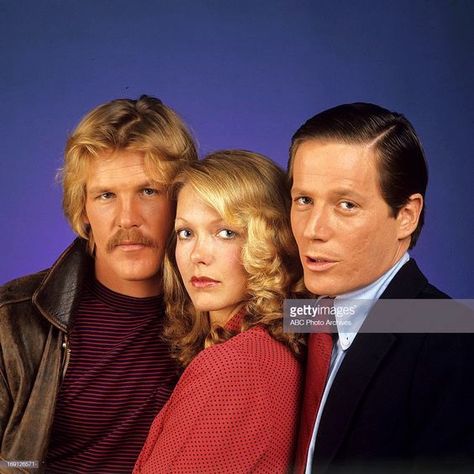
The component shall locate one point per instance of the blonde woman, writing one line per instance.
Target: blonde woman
(230, 266)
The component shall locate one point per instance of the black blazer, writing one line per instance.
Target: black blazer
(401, 402)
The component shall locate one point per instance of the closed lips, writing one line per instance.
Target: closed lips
(202, 282)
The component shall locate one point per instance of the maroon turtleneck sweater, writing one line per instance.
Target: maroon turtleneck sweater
(119, 376)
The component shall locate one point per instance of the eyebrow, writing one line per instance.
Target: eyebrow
(339, 192)
(297, 191)
(342, 192)
(102, 188)
(215, 221)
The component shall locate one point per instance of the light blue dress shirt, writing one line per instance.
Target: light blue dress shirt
(362, 300)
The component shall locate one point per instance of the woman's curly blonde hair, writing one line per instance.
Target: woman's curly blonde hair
(250, 193)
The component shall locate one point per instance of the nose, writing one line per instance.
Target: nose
(128, 213)
(318, 225)
(201, 252)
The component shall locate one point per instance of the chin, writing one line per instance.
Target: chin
(321, 290)
(140, 275)
(201, 306)
(206, 306)
(313, 285)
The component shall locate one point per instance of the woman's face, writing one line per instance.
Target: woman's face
(208, 254)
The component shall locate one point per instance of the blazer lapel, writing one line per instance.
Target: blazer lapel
(407, 283)
(353, 377)
(357, 369)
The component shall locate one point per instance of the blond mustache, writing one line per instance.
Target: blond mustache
(130, 237)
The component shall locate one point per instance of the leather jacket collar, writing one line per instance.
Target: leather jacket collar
(57, 296)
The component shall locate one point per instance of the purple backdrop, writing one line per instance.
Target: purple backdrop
(242, 74)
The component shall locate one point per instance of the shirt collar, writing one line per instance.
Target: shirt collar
(359, 303)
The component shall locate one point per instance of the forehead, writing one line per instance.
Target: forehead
(326, 163)
(192, 207)
(118, 166)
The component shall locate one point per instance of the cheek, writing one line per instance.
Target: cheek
(231, 258)
(243, 282)
(384, 247)
(365, 247)
(182, 257)
(161, 213)
(297, 225)
(166, 216)
(374, 235)
(357, 245)
(240, 276)
(101, 220)
(237, 289)
(98, 224)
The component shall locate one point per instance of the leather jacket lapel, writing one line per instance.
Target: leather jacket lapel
(57, 296)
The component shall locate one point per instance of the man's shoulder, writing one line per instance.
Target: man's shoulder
(431, 292)
(22, 288)
(410, 282)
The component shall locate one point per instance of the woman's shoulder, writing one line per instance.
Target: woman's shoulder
(250, 351)
(250, 369)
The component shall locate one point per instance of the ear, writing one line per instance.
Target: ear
(86, 225)
(409, 215)
(85, 219)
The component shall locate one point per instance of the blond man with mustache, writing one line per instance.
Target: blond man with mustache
(84, 370)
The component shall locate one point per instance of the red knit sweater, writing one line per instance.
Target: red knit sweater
(234, 410)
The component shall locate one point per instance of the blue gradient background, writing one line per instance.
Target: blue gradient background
(242, 74)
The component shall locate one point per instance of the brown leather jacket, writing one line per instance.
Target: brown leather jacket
(35, 314)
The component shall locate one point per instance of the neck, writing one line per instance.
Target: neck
(133, 288)
(221, 317)
(400, 252)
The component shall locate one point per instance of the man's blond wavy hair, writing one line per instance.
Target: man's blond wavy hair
(145, 126)
(251, 194)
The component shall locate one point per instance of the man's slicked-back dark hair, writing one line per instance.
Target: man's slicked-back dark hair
(400, 161)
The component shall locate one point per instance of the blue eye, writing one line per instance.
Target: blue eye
(303, 200)
(105, 196)
(183, 234)
(347, 205)
(149, 191)
(226, 234)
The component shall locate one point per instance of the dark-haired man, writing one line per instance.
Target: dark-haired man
(373, 402)
(83, 367)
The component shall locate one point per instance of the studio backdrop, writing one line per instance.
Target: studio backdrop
(242, 74)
